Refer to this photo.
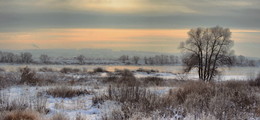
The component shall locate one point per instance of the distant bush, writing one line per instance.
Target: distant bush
(69, 70)
(153, 81)
(146, 70)
(45, 69)
(66, 92)
(98, 70)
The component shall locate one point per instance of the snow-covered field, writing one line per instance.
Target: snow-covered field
(36, 96)
(170, 72)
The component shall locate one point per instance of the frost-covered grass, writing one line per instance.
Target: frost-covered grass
(138, 94)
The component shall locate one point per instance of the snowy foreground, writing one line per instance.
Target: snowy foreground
(71, 107)
(82, 106)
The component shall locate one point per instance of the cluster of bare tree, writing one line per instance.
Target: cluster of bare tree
(244, 61)
(155, 60)
(44, 58)
(161, 60)
(8, 57)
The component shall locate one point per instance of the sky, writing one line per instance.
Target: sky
(138, 25)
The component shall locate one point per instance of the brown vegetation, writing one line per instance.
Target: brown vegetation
(66, 92)
(153, 81)
(67, 70)
(22, 115)
(59, 117)
(29, 77)
(224, 100)
(99, 70)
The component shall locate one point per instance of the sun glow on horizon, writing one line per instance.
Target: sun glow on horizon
(160, 40)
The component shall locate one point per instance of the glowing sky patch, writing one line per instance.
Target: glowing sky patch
(163, 40)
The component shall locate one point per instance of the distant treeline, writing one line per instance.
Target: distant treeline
(155, 60)
(27, 57)
(8, 57)
(244, 61)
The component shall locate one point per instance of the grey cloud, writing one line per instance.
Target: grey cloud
(17, 15)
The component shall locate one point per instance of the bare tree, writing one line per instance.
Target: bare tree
(207, 49)
(45, 58)
(26, 57)
(81, 59)
(123, 58)
(174, 59)
(136, 59)
(145, 60)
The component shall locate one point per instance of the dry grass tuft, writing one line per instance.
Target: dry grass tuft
(45, 69)
(59, 116)
(147, 70)
(22, 115)
(29, 76)
(154, 81)
(9, 79)
(122, 77)
(193, 87)
(255, 82)
(66, 92)
(67, 70)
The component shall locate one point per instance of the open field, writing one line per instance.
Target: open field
(114, 93)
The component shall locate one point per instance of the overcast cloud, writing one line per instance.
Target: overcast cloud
(27, 24)
(30, 14)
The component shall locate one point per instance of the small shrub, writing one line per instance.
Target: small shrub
(66, 92)
(69, 70)
(99, 70)
(28, 76)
